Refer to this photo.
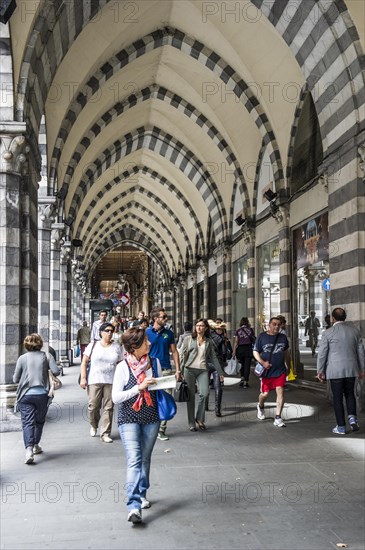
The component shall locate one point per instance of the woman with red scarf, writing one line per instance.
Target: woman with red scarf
(138, 418)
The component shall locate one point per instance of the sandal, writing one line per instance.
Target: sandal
(201, 425)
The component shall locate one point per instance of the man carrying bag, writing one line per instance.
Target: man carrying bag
(271, 350)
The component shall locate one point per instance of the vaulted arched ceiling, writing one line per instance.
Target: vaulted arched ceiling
(158, 112)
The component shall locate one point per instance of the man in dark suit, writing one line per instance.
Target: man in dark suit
(341, 358)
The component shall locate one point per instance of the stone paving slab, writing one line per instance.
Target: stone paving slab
(243, 484)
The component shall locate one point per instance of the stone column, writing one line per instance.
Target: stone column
(204, 269)
(46, 214)
(184, 290)
(55, 301)
(65, 302)
(223, 255)
(192, 275)
(249, 238)
(168, 304)
(18, 249)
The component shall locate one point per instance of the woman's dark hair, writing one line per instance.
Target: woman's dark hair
(244, 321)
(104, 326)
(194, 334)
(133, 339)
(188, 326)
(33, 342)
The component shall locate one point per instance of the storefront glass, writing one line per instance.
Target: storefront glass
(239, 291)
(269, 284)
(312, 285)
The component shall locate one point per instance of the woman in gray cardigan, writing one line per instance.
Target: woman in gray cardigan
(195, 354)
(31, 374)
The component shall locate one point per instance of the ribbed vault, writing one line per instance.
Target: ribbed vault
(157, 114)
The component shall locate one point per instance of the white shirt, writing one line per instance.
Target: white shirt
(121, 378)
(103, 362)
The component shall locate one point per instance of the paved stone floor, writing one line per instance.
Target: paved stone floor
(243, 484)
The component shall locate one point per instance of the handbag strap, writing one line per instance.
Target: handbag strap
(274, 346)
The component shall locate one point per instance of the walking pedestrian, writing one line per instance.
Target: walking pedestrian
(271, 350)
(217, 335)
(104, 356)
(242, 349)
(138, 418)
(196, 353)
(312, 325)
(95, 331)
(31, 375)
(162, 342)
(83, 337)
(341, 358)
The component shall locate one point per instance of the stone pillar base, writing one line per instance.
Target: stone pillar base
(8, 395)
(9, 422)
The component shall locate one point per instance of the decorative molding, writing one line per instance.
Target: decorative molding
(46, 211)
(282, 215)
(14, 154)
(323, 180)
(361, 151)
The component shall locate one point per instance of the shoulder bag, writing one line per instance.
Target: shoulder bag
(88, 366)
(260, 369)
(181, 392)
(166, 405)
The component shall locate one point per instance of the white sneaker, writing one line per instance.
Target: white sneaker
(93, 431)
(278, 422)
(37, 450)
(135, 516)
(260, 412)
(106, 439)
(29, 458)
(145, 503)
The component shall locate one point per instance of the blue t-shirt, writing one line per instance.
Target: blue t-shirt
(160, 345)
(264, 344)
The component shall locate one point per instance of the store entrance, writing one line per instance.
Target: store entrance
(312, 289)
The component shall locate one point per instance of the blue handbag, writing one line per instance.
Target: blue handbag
(166, 405)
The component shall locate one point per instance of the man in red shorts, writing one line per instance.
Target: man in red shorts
(271, 350)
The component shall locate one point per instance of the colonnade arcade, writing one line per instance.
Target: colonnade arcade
(223, 142)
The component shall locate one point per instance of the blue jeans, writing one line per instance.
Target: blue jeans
(138, 441)
(33, 410)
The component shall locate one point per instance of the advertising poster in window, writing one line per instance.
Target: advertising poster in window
(310, 242)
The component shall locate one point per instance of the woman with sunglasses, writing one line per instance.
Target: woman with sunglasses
(196, 353)
(138, 418)
(104, 355)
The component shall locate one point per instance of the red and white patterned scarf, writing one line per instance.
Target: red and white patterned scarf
(139, 368)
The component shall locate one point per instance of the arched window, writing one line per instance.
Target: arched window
(308, 152)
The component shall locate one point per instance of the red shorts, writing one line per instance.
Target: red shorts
(268, 384)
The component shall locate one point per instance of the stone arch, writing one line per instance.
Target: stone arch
(130, 235)
(153, 91)
(115, 221)
(153, 139)
(161, 180)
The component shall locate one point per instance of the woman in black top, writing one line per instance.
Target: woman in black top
(138, 418)
(242, 349)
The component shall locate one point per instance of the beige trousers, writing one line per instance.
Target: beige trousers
(100, 396)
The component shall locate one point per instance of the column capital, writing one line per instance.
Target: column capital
(224, 249)
(46, 211)
(282, 215)
(203, 264)
(14, 150)
(65, 255)
(57, 233)
(248, 234)
(361, 151)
